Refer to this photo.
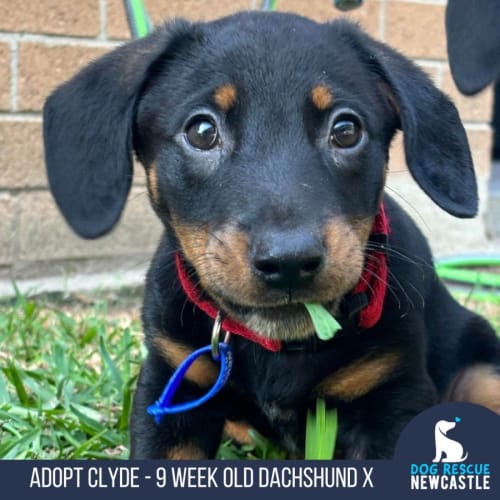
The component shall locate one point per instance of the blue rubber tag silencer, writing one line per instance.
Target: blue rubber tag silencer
(164, 404)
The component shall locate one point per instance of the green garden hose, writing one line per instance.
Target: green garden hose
(473, 271)
(138, 20)
(268, 4)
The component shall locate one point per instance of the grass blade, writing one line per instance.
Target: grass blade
(115, 373)
(321, 432)
(4, 393)
(15, 378)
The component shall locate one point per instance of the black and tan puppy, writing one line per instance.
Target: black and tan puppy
(265, 141)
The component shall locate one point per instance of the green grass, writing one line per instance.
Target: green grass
(67, 375)
(66, 382)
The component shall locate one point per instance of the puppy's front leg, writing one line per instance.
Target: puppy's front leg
(191, 435)
(371, 426)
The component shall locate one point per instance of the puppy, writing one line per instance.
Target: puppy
(452, 450)
(265, 140)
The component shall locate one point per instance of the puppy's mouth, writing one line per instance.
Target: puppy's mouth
(272, 311)
(282, 321)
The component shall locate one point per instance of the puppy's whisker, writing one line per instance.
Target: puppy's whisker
(419, 261)
(390, 251)
(367, 283)
(413, 208)
(379, 278)
(419, 294)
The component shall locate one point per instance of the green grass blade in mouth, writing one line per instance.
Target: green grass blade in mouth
(325, 324)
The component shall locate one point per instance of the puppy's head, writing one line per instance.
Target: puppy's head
(265, 141)
(443, 426)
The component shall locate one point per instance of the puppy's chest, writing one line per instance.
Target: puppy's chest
(296, 379)
(284, 379)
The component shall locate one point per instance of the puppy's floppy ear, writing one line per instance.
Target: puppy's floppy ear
(473, 36)
(436, 147)
(87, 129)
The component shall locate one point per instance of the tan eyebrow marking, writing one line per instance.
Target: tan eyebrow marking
(225, 96)
(322, 97)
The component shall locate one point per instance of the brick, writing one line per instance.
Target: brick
(161, 10)
(21, 161)
(7, 232)
(320, 10)
(202, 10)
(116, 20)
(397, 161)
(58, 17)
(44, 235)
(476, 108)
(416, 29)
(432, 71)
(42, 67)
(4, 76)
(480, 143)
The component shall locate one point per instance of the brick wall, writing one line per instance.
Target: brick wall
(43, 42)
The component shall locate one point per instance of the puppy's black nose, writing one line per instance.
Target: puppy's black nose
(287, 259)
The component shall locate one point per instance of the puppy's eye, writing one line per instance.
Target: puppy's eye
(346, 132)
(202, 133)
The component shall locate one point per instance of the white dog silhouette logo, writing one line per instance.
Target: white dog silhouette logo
(452, 450)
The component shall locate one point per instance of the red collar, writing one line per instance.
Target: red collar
(371, 287)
